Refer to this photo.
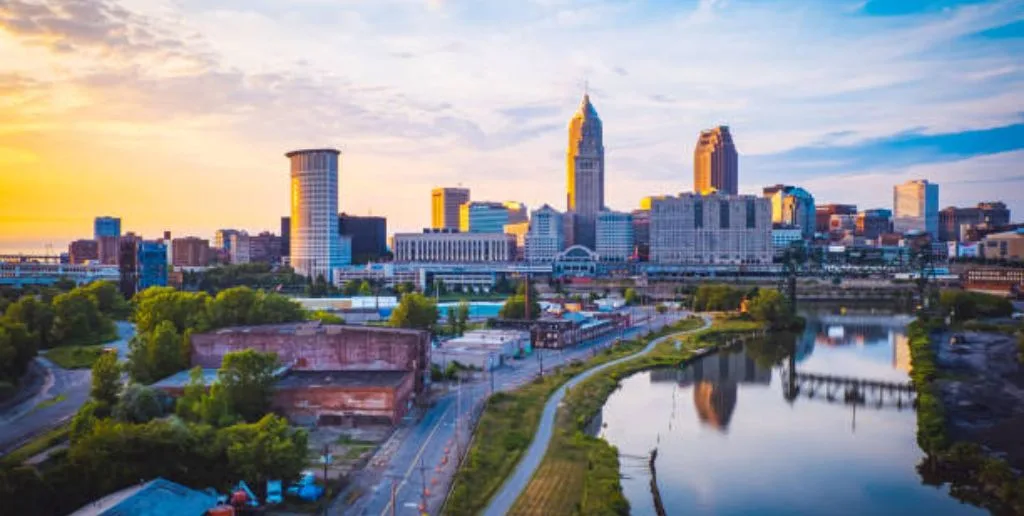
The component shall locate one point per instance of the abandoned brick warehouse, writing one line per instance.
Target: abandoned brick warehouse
(331, 374)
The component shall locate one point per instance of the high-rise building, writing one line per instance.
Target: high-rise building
(265, 248)
(873, 223)
(108, 249)
(152, 264)
(711, 229)
(239, 247)
(81, 251)
(715, 162)
(315, 245)
(614, 236)
(517, 212)
(953, 221)
(222, 238)
(106, 227)
(286, 235)
(916, 207)
(792, 206)
(585, 173)
(482, 217)
(823, 214)
(190, 252)
(444, 207)
(444, 246)
(994, 213)
(642, 232)
(369, 236)
(546, 236)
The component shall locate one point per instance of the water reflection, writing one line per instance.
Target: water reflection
(770, 432)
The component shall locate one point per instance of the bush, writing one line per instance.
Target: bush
(964, 305)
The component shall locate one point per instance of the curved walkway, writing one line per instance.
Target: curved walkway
(501, 503)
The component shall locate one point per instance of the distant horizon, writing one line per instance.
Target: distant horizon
(176, 114)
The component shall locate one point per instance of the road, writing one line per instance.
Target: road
(503, 500)
(424, 453)
(24, 421)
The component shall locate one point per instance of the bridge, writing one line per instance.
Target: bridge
(888, 321)
(30, 258)
(847, 390)
(19, 274)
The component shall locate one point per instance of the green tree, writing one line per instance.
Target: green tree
(77, 320)
(515, 308)
(255, 451)
(108, 299)
(141, 404)
(629, 296)
(156, 355)
(365, 289)
(415, 311)
(462, 316)
(86, 417)
(325, 317)
(17, 349)
(247, 381)
(453, 321)
(190, 405)
(350, 288)
(36, 315)
(661, 308)
(106, 379)
(185, 310)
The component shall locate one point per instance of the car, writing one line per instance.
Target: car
(1017, 316)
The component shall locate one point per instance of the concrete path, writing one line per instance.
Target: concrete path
(505, 498)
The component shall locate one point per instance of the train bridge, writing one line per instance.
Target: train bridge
(847, 390)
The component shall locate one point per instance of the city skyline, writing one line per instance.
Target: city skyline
(170, 118)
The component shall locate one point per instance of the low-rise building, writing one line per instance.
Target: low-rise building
(431, 246)
(1008, 246)
(190, 252)
(83, 251)
(546, 235)
(784, 236)
(157, 497)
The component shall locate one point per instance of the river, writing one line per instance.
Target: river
(729, 441)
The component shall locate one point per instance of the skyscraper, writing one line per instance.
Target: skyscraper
(585, 173)
(715, 162)
(546, 236)
(106, 227)
(916, 207)
(793, 206)
(315, 244)
(444, 207)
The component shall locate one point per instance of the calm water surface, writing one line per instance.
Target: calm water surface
(729, 441)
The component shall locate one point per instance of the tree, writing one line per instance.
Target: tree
(769, 306)
(108, 299)
(365, 289)
(325, 317)
(247, 381)
(185, 310)
(36, 315)
(190, 405)
(629, 296)
(106, 379)
(661, 308)
(415, 311)
(453, 322)
(255, 451)
(141, 404)
(156, 355)
(319, 287)
(86, 417)
(17, 349)
(462, 316)
(515, 308)
(350, 288)
(77, 320)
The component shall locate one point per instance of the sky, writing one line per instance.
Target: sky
(176, 114)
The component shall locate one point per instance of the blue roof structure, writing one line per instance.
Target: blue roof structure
(158, 497)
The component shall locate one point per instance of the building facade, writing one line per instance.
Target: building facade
(916, 207)
(792, 206)
(954, 221)
(614, 236)
(519, 230)
(437, 246)
(222, 238)
(642, 233)
(265, 248)
(823, 215)
(190, 252)
(716, 162)
(82, 251)
(444, 207)
(546, 237)
(239, 247)
(106, 227)
(784, 236)
(482, 217)
(152, 264)
(1007, 246)
(711, 229)
(585, 173)
(873, 223)
(315, 242)
(286, 235)
(369, 236)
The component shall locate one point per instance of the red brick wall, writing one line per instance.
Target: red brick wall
(306, 404)
(341, 348)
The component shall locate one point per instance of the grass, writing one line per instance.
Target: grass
(354, 452)
(36, 446)
(50, 402)
(510, 420)
(76, 357)
(580, 473)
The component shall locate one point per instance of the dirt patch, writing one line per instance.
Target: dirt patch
(349, 447)
(982, 389)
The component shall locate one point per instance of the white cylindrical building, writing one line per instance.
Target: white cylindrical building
(315, 243)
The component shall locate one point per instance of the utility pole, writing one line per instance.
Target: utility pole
(394, 491)
(423, 484)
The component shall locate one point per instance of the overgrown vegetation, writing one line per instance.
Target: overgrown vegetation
(510, 420)
(415, 311)
(963, 305)
(75, 357)
(974, 476)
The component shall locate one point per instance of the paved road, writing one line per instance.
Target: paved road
(24, 421)
(424, 453)
(503, 500)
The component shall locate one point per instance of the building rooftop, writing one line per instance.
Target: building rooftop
(158, 497)
(307, 328)
(310, 151)
(181, 378)
(297, 379)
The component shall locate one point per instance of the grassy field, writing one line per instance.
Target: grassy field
(580, 473)
(509, 422)
(36, 446)
(75, 357)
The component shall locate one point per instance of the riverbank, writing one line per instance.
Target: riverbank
(970, 412)
(510, 420)
(580, 472)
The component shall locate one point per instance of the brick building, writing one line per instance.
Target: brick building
(81, 251)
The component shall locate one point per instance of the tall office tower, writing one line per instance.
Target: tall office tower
(265, 248)
(546, 236)
(152, 264)
(614, 236)
(642, 232)
(222, 238)
(286, 236)
(994, 213)
(715, 162)
(106, 227)
(916, 207)
(792, 206)
(444, 207)
(711, 229)
(315, 244)
(585, 173)
(873, 223)
(483, 217)
(369, 236)
(240, 247)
